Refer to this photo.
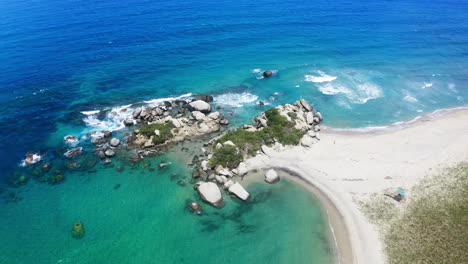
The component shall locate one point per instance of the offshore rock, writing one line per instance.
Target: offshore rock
(267, 74)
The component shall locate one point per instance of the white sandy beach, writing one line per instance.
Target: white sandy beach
(348, 166)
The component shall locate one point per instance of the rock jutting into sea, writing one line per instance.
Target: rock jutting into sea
(221, 163)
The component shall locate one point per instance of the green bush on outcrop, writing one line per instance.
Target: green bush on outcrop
(227, 156)
(164, 132)
(248, 143)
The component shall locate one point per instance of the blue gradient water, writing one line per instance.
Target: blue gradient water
(362, 63)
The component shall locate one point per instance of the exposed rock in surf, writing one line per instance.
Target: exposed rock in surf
(110, 153)
(73, 152)
(114, 142)
(129, 122)
(267, 74)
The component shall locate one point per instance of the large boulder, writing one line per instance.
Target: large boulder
(210, 193)
(306, 105)
(239, 191)
(128, 122)
(73, 152)
(267, 74)
(271, 176)
(206, 98)
(137, 112)
(198, 115)
(110, 153)
(200, 105)
(114, 142)
(242, 169)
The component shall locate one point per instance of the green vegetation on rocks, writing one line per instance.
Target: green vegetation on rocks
(226, 156)
(164, 132)
(249, 142)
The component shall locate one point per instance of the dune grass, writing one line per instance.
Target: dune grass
(433, 228)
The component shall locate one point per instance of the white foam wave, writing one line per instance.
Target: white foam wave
(235, 99)
(402, 124)
(363, 92)
(158, 101)
(31, 159)
(426, 85)
(410, 98)
(322, 77)
(92, 112)
(115, 117)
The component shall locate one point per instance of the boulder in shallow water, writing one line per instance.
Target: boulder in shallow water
(267, 74)
(200, 105)
(73, 152)
(114, 142)
(210, 193)
(195, 207)
(271, 176)
(110, 153)
(239, 191)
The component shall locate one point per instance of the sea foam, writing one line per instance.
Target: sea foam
(322, 77)
(115, 117)
(235, 99)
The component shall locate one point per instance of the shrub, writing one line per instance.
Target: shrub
(227, 156)
(249, 143)
(164, 132)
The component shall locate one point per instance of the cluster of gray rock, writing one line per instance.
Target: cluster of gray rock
(213, 179)
(106, 145)
(188, 118)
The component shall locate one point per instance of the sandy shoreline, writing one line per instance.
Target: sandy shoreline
(348, 166)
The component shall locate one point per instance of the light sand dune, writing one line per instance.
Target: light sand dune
(345, 166)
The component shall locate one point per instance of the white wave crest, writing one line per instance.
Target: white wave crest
(426, 85)
(115, 117)
(409, 98)
(92, 112)
(363, 92)
(158, 101)
(235, 99)
(31, 159)
(322, 77)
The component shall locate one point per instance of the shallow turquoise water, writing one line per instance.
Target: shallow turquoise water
(145, 221)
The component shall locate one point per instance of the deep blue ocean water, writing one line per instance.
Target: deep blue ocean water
(361, 63)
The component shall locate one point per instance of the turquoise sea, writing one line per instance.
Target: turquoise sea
(68, 67)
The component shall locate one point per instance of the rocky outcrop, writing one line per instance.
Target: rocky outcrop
(271, 176)
(210, 193)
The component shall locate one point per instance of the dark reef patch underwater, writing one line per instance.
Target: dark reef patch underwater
(67, 68)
